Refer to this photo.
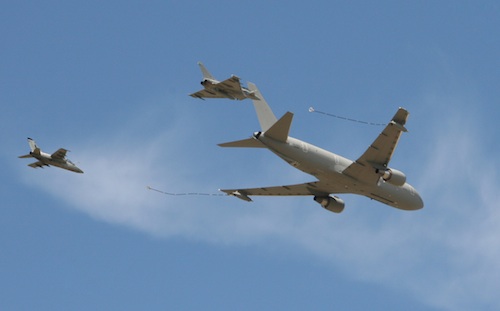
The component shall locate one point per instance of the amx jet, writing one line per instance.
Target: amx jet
(230, 88)
(58, 158)
(369, 175)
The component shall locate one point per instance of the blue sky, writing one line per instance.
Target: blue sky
(110, 82)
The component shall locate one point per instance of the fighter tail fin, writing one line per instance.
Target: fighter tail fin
(264, 112)
(33, 145)
(34, 149)
(205, 72)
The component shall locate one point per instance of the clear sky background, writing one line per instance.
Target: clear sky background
(109, 80)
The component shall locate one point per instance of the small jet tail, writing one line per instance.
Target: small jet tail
(34, 149)
(205, 72)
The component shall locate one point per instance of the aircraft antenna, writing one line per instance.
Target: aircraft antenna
(311, 109)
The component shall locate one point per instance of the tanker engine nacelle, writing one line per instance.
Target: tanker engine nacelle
(333, 204)
(395, 177)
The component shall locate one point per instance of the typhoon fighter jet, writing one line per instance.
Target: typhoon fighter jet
(369, 175)
(58, 158)
(230, 88)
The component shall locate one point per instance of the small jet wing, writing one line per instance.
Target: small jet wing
(378, 155)
(59, 154)
(206, 93)
(38, 164)
(317, 188)
(232, 84)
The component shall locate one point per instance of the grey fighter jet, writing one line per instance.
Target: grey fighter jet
(369, 175)
(58, 158)
(230, 88)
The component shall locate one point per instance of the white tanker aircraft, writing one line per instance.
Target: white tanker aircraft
(369, 175)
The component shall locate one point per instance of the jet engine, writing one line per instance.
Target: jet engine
(395, 177)
(206, 82)
(333, 204)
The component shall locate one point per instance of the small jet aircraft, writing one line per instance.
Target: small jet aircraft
(230, 88)
(58, 158)
(369, 175)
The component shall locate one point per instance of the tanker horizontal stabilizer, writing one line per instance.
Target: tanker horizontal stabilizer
(244, 143)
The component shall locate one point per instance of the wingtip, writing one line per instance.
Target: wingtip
(240, 195)
(196, 96)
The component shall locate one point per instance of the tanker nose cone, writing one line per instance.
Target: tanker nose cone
(416, 202)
